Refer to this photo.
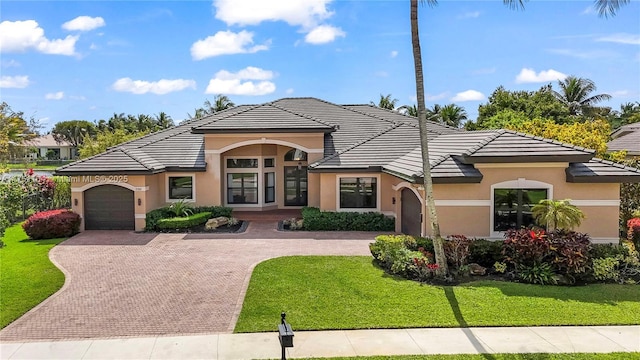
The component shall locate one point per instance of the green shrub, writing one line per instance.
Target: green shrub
(62, 192)
(316, 220)
(538, 273)
(52, 224)
(606, 269)
(153, 216)
(456, 250)
(424, 243)
(601, 251)
(4, 224)
(216, 211)
(485, 252)
(184, 222)
(181, 208)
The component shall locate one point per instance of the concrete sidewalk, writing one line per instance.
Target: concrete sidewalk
(561, 339)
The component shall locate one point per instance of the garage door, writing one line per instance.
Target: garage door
(411, 220)
(109, 207)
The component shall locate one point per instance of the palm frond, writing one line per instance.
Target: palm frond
(608, 8)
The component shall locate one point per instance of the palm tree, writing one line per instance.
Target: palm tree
(433, 113)
(575, 94)
(222, 102)
(163, 121)
(411, 110)
(453, 115)
(604, 7)
(386, 102)
(557, 214)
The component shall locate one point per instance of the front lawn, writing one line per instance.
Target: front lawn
(27, 277)
(332, 292)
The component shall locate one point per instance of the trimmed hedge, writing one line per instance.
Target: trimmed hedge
(316, 220)
(154, 216)
(52, 224)
(184, 222)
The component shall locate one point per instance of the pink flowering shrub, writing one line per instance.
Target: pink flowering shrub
(52, 224)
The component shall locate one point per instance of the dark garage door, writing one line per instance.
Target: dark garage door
(411, 209)
(109, 207)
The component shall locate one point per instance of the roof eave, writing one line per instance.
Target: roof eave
(367, 169)
(107, 172)
(525, 159)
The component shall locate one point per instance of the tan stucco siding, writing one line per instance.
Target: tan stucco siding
(214, 142)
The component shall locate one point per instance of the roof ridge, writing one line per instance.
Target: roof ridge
(80, 161)
(135, 158)
(551, 141)
(483, 142)
(378, 134)
(251, 107)
(277, 106)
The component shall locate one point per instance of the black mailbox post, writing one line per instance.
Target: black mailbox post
(285, 335)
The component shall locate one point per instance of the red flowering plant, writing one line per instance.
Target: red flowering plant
(633, 234)
(425, 266)
(16, 189)
(526, 247)
(52, 224)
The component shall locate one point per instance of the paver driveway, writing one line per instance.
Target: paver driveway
(120, 283)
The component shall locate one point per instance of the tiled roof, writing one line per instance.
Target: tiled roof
(46, 141)
(265, 117)
(629, 141)
(602, 171)
(357, 138)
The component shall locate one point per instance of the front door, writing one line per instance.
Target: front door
(295, 186)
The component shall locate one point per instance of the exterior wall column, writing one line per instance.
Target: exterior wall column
(214, 168)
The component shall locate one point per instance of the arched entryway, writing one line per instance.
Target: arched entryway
(411, 219)
(109, 207)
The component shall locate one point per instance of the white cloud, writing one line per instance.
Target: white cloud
(393, 54)
(160, 87)
(10, 63)
(55, 96)
(289, 91)
(225, 82)
(84, 23)
(588, 10)
(305, 13)
(527, 75)
(14, 82)
(620, 93)
(324, 34)
(77, 97)
(591, 54)
(621, 38)
(436, 97)
(224, 43)
(20, 36)
(469, 15)
(469, 95)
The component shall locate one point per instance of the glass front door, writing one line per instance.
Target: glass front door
(295, 186)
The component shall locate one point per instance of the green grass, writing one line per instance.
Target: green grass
(27, 277)
(576, 356)
(325, 292)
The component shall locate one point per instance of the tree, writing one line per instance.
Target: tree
(14, 130)
(220, 103)
(452, 115)
(386, 102)
(411, 110)
(73, 131)
(163, 121)
(105, 140)
(575, 93)
(557, 214)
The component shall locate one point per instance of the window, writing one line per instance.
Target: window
(242, 163)
(512, 207)
(358, 192)
(242, 188)
(269, 163)
(295, 155)
(269, 187)
(180, 187)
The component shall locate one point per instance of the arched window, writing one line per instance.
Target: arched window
(295, 155)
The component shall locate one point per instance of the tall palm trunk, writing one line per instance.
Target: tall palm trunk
(429, 201)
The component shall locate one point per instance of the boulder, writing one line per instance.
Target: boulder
(475, 269)
(215, 223)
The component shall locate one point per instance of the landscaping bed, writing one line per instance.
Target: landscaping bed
(334, 292)
(240, 227)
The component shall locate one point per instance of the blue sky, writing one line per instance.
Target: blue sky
(65, 60)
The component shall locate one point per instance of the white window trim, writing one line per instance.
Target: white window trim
(378, 192)
(275, 186)
(193, 186)
(520, 183)
(260, 170)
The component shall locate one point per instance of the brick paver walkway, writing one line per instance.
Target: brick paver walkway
(121, 284)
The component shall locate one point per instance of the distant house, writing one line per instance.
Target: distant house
(46, 147)
(627, 138)
(297, 152)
